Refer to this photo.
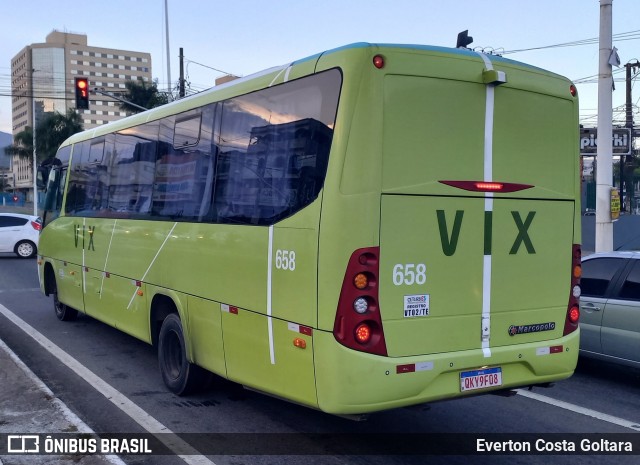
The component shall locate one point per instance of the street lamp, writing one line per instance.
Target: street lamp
(35, 166)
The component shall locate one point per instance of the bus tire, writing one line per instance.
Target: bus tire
(179, 375)
(63, 311)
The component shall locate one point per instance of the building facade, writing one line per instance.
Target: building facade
(43, 80)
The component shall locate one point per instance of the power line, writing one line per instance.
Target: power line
(622, 36)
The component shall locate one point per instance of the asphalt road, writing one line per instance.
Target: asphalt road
(130, 368)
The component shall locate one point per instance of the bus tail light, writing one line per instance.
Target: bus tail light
(573, 308)
(363, 333)
(358, 323)
(484, 186)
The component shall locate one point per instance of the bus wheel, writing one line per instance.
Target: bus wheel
(63, 311)
(178, 374)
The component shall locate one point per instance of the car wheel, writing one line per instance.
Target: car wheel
(63, 311)
(179, 375)
(25, 249)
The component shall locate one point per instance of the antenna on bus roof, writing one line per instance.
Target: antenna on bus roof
(464, 39)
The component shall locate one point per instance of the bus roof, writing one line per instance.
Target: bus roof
(243, 85)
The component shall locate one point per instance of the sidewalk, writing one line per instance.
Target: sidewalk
(27, 406)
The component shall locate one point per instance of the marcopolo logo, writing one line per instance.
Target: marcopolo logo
(536, 328)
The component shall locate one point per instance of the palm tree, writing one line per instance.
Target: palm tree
(52, 130)
(143, 94)
(22, 144)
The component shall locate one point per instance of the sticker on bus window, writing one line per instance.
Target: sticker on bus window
(416, 305)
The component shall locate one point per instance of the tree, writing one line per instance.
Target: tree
(143, 94)
(22, 144)
(52, 131)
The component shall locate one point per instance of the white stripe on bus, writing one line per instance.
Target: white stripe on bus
(84, 268)
(269, 283)
(106, 260)
(485, 320)
(285, 67)
(135, 291)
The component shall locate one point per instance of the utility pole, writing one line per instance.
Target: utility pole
(629, 124)
(35, 158)
(181, 84)
(604, 174)
(166, 25)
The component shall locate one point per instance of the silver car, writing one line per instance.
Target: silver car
(610, 307)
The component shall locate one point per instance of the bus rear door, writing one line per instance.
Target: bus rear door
(464, 261)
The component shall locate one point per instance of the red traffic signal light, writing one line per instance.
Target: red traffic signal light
(82, 93)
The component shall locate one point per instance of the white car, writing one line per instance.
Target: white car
(19, 234)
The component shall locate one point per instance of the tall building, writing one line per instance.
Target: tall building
(43, 79)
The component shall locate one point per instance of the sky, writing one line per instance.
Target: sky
(242, 37)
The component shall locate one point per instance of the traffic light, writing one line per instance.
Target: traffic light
(82, 93)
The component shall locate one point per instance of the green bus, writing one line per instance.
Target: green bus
(367, 228)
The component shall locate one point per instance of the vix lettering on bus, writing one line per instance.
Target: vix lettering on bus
(80, 236)
(450, 240)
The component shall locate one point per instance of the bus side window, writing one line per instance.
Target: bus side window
(184, 171)
(78, 179)
(274, 147)
(132, 171)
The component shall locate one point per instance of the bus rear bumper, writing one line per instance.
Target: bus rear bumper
(351, 382)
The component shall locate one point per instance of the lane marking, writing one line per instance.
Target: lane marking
(182, 449)
(66, 412)
(30, 289)
(581, 410)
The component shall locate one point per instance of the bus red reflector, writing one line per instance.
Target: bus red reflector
(306, 330)
(406, 368)
(229, 309)
(556, 349)
(484, 186)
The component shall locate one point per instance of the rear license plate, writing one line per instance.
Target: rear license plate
(480, 379)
